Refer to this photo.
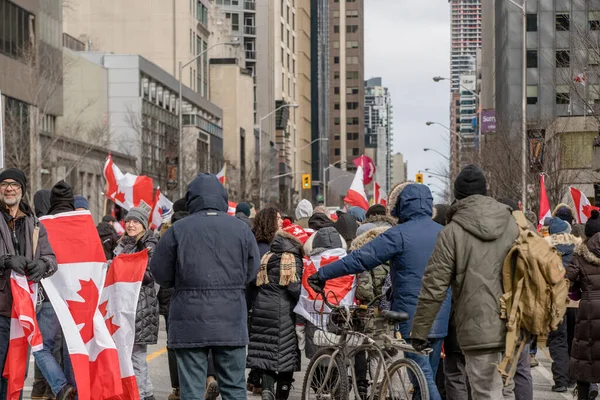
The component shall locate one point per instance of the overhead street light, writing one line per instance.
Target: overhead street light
(435, 151)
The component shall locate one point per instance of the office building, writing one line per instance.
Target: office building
(454, 135)
(242, 14)
(379, 129)
(346, 85)
(466, 37)
(399, 169)
(468, 115)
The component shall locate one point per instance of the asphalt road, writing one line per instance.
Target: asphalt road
(159, 371)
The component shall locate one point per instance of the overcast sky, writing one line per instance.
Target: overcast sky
(407, 43)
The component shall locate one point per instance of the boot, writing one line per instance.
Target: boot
(68, 392)
(593, 393)
(212, 389)
(268, 387)
(39, 389)
(533, 362)
(283, 390)
(174, 395)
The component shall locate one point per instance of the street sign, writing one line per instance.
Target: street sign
(306, 184)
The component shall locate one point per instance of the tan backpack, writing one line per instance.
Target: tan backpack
(535, 293)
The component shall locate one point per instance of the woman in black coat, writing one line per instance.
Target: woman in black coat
(584, 270)
(273, 344)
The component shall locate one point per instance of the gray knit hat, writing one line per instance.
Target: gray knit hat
(138, 214)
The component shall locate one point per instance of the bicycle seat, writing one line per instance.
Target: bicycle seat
(396, 316)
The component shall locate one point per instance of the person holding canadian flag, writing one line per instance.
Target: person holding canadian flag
(26, 251)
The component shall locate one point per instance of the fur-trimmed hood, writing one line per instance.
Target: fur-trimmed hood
(563, 238)
(561, 205)
(394, 195)
(366, 237)
(412, 201)
(590, 251)
(382, 220)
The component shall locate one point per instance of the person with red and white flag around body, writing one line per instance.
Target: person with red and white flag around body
(24, 249)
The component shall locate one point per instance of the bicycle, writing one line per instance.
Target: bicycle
(326, 376)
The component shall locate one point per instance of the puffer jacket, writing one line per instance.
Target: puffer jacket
(370, 283)
(468, 256)
(584, 270)
(407, 246)
(273, 344)
(209, 258)
(146, 313)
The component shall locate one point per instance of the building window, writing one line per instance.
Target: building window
(335, 13)
(352, 44)
(235, 22)
(282, 57)
(336, 152)
(353, 121)
(562, 58)
(336, 44)
(593, 57)
(336, 120)
(17, 27)
(562, 22)
(531, 22)
(350, 75)
(336, 90)
(281, 8)
(351, 28)
(352, 90)
(336, 106)
(294, 66)
(352, 13)
(336, 137)
(532, 59)
(562, 94)
(336, 60)
(294, 21)
(282, 32)
(532, 94)
(352, 105)
(594, 20)
(201, 13)
(355, 151)
(288, 61)
(352, 136)
(352, 60)
(336, 29)
(336, 75)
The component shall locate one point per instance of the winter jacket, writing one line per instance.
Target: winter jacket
(109, 239)
(346, 225)
(209, 258)
(370, 283)
(565, 245)
(23, 226)
(408, 246)
(584, 270)
(273, 344)
(241, 216)
(146, 313)
(469, 255)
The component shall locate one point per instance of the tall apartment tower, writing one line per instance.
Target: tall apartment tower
(379, 128)
(466, 37)
(242, 14)
(346, 89)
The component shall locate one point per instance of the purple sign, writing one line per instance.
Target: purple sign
(488, 121)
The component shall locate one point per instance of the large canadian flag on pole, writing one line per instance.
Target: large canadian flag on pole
(24, 332)
(118, 304)
(357, 195)
(582, 205)
(544, 203)
(75, 291)
(127, 190)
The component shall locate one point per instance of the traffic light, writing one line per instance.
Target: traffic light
(419, 178)
(306, 184)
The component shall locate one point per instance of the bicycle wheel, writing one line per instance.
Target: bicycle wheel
(406, 382)
(317, 386)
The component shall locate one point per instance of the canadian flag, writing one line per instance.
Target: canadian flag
(380, 197)
(74, 291)
(581, 205)
(356, 195)
(339, 291)
(368, 167)
(544, 203)
(126, 190)
(24, 332)
(580, 78)
(231, 208)
(222, 175)
(162, 206)
(118, 305)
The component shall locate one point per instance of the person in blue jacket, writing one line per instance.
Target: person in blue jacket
(408, 246)
(208, 258)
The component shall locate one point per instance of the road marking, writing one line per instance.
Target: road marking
(157, 353)
(548, 376)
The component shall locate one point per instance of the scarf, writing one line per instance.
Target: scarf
(287, 269)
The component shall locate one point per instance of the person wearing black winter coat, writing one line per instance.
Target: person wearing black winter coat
(108, 236)
(273, 344)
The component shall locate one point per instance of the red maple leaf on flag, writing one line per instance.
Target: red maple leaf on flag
(83, 311)
(120, 196)
(112, 328)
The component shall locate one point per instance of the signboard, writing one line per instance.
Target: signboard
(488, 121)
(1, 133)
(468, 83)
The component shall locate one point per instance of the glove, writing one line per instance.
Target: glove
(420, 344)
(17, 264)
(316, 283)
(36, 270)
(300, 334)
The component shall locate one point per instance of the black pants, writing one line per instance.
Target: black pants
(270, 377)
(583, 390)
(559, 351)
(173, 373)
(361, 368)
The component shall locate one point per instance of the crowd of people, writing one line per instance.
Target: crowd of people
(229, 288)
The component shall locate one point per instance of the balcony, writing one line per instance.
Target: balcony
(249, 6)
(250, 55)
(250, 30)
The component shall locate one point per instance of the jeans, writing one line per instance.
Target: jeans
(140, 367)
(484, 378)
(429, 365)
(230, 366)
(559, 351)
(172, 359)
(456, 381)
(56, 376)
(4, 339)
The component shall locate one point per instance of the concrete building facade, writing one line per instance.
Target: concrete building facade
(399, 169)
(379, 127)
(346, 90)
(466, 37)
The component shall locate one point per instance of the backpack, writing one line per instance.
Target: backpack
(535, 293)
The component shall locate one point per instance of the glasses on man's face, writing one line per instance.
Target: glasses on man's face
(13, 185)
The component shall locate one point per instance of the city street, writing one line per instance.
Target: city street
(159, 370)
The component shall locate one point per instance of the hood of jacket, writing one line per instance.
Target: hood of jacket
(366, 237)
(41, 202)
(309, 248)
(563, 205)
(104, 229)
(205, 192)
(481, 216)
(286, 243)
(304, 209)
(319, 221)
(590, 250)
(563, 239)
(413, 201)
(382, 220)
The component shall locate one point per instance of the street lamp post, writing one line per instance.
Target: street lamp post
(235, 42)
(260, 135)
(435, 151)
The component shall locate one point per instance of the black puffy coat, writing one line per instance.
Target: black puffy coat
(273, 344)
(108, 237)
(584, 270)
(146, 313)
